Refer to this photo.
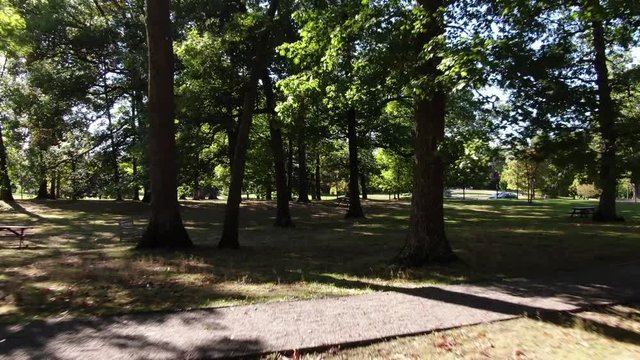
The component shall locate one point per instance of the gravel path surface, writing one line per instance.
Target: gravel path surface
(264, 328)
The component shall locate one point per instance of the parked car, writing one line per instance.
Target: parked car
(504, 195)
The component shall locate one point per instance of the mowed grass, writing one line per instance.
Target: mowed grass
(76, 265)
(607, 333)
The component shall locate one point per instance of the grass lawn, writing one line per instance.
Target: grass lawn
(609, 333)
(75, 264)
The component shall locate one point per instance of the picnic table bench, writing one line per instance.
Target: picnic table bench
(343, 200)
(583, 211)
(17, 230)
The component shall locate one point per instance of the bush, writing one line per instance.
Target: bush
(588, 191)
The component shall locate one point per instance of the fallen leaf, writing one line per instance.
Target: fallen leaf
(445, 343)
(297, 355)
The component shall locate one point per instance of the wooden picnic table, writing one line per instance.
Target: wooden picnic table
(17, 230)
(583, 211)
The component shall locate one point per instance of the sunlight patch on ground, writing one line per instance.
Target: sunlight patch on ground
(78, 257)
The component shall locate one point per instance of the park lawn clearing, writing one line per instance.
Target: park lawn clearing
(606, 333)
(76, 265)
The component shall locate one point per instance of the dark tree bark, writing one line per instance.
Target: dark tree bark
(283, 216)
(165, 229)
(229, 239)
(427, 241)
(355, 208)
(290, 170)
(146, 194)
(6, 193)
(197, 193)
(303, 178)
(231, 138)
(363, 186)
(136, 189)
(318, 178)
(42, 190)
(607, 123)
(268, 191)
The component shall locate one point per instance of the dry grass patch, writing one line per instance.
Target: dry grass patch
(76, 265)
(611, 333)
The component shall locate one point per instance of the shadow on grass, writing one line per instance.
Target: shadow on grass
(87, 284)
(78, 248)
(570, 320)
(568, 299)
(20, 209)
(124, 336)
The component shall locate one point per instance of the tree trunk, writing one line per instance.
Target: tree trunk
(229, 239)
(283, 216)
(355, 208)
(146, 194)
(303, 178)
(114, 148)
(6, 193)
(318, 177)
(134, 160)
(363, 186)
(58, 186)
(42, 190)
(290, 170)
(464, 193)
(136, 189)
(231, 140)
(397, 194)
(165, 229)
(533, 191)
(52, 188)
(74, 184)
(268, 191)
(197, 194)
(427, 241)
(607, 123)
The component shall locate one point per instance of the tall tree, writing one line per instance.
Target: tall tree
(606, 118)
(165, 227)
(11, 24)
(558, 68)
(5, 181)
(303, 177)
(283, 215)
(355, 207)
(263, 50)
(427, 241)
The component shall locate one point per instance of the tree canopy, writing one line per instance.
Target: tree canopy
(306, 99)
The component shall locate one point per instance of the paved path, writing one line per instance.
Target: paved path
(264, 328)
